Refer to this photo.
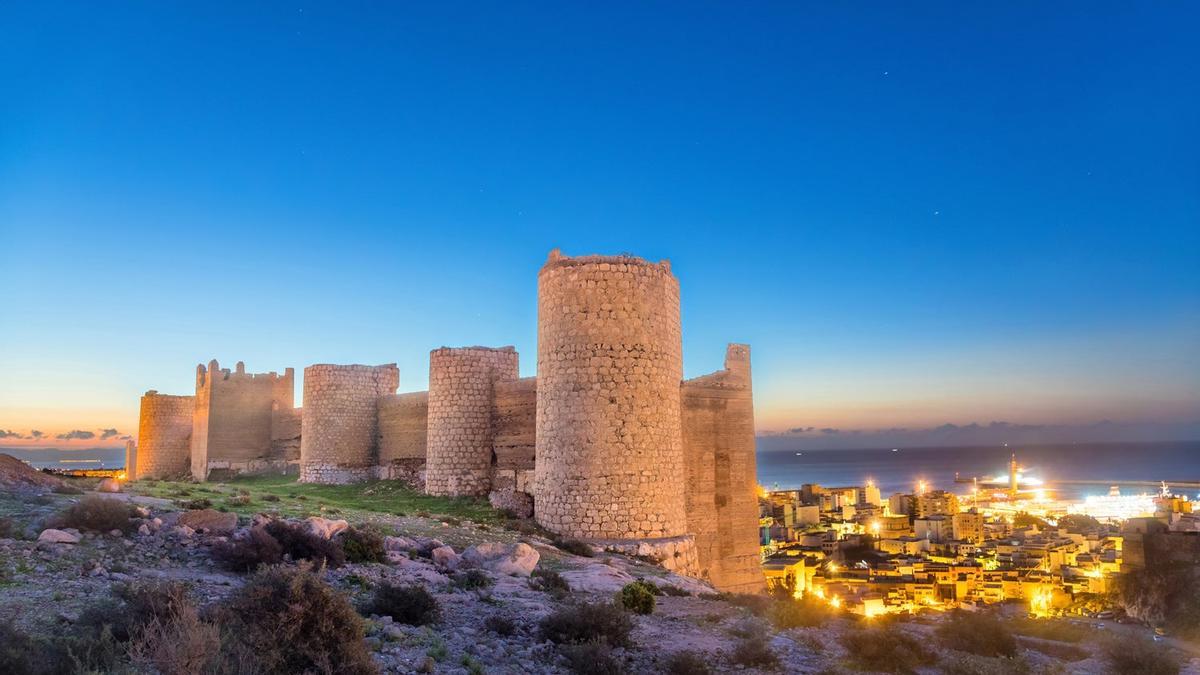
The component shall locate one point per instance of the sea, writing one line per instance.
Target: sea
(898, 470)
(82, 458)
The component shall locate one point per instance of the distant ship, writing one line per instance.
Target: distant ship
(895, 449)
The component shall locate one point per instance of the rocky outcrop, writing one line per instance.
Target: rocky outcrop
(517, 559)
(208, 521)
(325, 528)
(14, 474)
(57, 537)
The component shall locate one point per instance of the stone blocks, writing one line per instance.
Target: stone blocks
(338, 441)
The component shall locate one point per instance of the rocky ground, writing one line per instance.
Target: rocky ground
(48, 579)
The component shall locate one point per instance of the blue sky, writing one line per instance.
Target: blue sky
(916, 217)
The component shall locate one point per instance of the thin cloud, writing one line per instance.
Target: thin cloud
(5, 433)
(76, 434)
(36, 434)
(106, 434)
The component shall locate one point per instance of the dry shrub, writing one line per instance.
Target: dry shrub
(184, 645)
(286, 620)
(249, 553)
(301, 544)
(549, 581)
(805, 612)
(96, 514)
(412, 605)
(687, 663)
(887, 650)
(7, 528)
(1130, 655)
(363, 545)
(588, 622)
(592, 658)
(575, 547)
(754, 651)
(977, 633)
(472, 579)
(971, 664)
(501, 625)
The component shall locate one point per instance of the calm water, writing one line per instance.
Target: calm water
(50, 458)
(1105, 463)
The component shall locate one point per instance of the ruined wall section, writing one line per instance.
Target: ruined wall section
(235, 415)
(339, 432)
(609, 443)
(164, 435)
(514, 429)
(722, 503)
(286, 423)
(403, 437)
(461, 394)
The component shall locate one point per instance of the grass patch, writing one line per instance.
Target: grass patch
(294, 499)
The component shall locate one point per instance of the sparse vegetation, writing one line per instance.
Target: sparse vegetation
(588, 622)
(886, 649)
(501, 625)
(412, 605)
(8, 529)
(549, 581)
(686, 663)
(301, 544)
(977, 633)
(637, 597)
(249, 553)
(1139, 656)
(805, 612)
(592, 658)
(363, 545)
(285, 619)
(754, 651)
(575, 547)
(472, 579)
(96, 514)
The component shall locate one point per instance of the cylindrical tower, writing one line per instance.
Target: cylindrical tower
(338, 436)
(461, 393)
(609, 442)
(164, 435)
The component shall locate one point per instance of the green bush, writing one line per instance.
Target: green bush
(286, 620)
(637, 597)
(977, 633)
(97, 514)
(588, 622)
(886, 649)
(412, 605)
(363, 545)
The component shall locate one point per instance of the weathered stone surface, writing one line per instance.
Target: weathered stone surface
(209, 521)
(398, 544)
(325, 528)
(445, 556)
(164, 435)
(233, 426)
(338, 441)
(518, 559)
(52, 536)
(109, 485)
(519, 503)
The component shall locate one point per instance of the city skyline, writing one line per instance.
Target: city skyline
(906, 241)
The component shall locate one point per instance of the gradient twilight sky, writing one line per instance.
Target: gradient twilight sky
(915, 216)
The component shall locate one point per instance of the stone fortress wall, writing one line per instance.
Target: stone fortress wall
(462, 385)
(164, 435)
(339, 431)
(238, 416)
(607, 444)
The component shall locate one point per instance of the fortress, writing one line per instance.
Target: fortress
(607, 443)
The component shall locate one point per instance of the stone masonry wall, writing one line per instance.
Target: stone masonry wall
(403, 437)
(338, 440)
(164, 435)
(233, 423)
(461, 392)
(514, 424)
(609, 443)
(722, 504)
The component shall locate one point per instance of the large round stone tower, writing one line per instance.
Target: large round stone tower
(338, 437)
(461, 393)
(610, 460)
(164, 436)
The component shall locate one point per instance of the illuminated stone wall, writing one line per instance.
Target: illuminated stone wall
(339, 437)
(235, 418)
(164, 435)
(461, 395)
(609, 444)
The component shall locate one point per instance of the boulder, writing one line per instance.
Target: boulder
(445, 557)
(518, 559)
(519, 503)
(398, 544)
(597, 578)
(57, 537)
(209, 521)
(109, 485)
(325, 528)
